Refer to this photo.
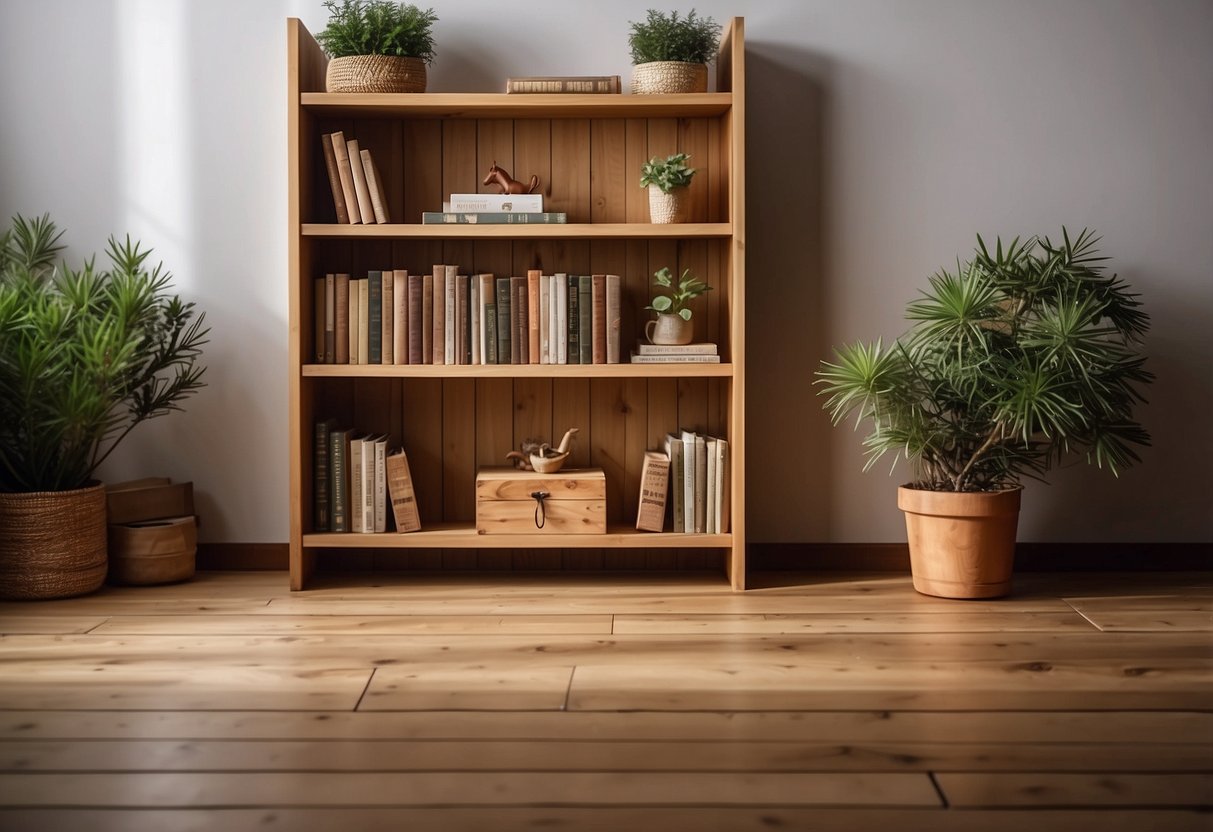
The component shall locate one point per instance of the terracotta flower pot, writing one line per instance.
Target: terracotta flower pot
(665, 207)
(657, 77)
(962, 544)
(52, 543)
(375, 73)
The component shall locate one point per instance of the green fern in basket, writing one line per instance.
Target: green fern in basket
(378, 27)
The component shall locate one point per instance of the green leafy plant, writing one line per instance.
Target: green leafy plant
(378, 27)
(1021, 357)
(85, 355)
(668, 173)
(661, 37)
(675, 302)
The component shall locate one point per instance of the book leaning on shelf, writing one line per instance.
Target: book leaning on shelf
(699, 482)
(355, 481)
(357, 187)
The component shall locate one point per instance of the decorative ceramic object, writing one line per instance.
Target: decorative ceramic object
(669, 329)
(665, 207)
(542, 457)
(501, 178)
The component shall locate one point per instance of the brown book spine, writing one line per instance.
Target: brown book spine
(613, 322)
(400, 316)
(598, 325)
(518, 333)
(533, 276)
(345, 172)
(387, 321)
(374, 187)
(330, 320)
(341, 319)
(414, 313)
(402, 494)
(319, 327)
(654, 485)
(451, 323)
(427, 319)
(361, 190)
(439, 315)
(364, 320)
(462, 332)
(330, 165)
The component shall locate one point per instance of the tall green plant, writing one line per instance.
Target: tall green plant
(1022, 356)
(666, 37)
(85, 355)
(378, 27)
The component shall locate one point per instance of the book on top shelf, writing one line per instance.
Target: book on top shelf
(345, 173)
(494, 203)
(362, 190)
(334, 174)
(494, 218)
(374, 186)
(564, 84)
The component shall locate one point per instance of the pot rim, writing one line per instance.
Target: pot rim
(959, 503)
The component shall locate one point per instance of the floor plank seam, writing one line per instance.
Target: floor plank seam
(943, 798)
(568, 691)
(366, 688)
(1085, 617)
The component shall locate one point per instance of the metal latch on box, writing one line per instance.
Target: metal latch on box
(540, 511)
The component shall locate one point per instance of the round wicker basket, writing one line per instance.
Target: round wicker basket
(52, 543)
(667, 208)
(375, 73)
(669, 77)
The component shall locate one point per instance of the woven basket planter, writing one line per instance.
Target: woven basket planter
(669, 77)
(153, 551)
(667, 208)
(375, 73)
(52, 543)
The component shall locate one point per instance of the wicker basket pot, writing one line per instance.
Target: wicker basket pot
(153, 551)
(52, 543)
(667, 208)
(375, 73)
(669, 77)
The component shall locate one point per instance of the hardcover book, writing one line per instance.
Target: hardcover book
(691, 358)
(400, 316)
(494, 218)
(574, 322)
(676, 349)
(488, 316)
(564, 84)
(613, 318)
(357, 477)
(339, 480)
(475, 322)
(341, 318)
(673, 449)
(461, 320)
(374, 333)
(361, 190)
(451, 310)
(505, 321)
(494, 203)
(387, 326)
(585, 318)
(351, 323)
(364, 317)
(345, 172)
(519, 338)
(321, 502)
(330, 166)
(375, 188)
(598, 326)
(560, 304)
(533, 277)
(545, 319)
(654, 484)
(400, 491)
(427, 320)
(380, 483)
(439, 315)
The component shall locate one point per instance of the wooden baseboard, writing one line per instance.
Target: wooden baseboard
(849, 557)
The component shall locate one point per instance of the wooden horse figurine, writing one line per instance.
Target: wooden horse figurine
(509, 185)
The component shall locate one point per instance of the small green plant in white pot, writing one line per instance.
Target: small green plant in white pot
(671, 53)
(673, 324)
(667, 180)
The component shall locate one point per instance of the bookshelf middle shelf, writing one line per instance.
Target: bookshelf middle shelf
(509, 231)
(673, 370)
(464, 536)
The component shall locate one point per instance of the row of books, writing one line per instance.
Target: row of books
(567, 84)
(393, 317)
(355, 478)
(358, 193)
(694, 471)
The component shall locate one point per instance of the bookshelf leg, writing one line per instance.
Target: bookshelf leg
(303, 564)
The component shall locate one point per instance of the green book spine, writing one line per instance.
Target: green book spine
(339, 484)
(490, 332)
(503, 320)
(321, 518)
(375, 315)
(585, 320)
(574, 325)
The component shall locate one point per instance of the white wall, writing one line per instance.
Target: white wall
(882, 136)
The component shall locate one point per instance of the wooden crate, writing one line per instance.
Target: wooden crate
(153, 498)
(575, 502)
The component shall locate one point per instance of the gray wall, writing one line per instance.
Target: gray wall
(882, 136)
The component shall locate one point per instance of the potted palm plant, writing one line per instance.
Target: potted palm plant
(377, 46)
(671, 54)
(85, 355)
(667, 180)
(1024, 356)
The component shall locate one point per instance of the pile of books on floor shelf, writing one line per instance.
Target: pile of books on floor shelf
(694, 471)
(393, 317)
(354, 478)
(493, 209)
(358, 194)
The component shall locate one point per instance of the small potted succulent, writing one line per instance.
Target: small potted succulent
(671, 54)
(85, 355)
(673, 323)
(377, 46)
(1024, 356)
(667, 180)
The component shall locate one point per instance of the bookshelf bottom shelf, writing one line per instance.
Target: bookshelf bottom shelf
(465, 537)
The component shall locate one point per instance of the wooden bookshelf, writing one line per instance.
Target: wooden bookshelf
(587, 151)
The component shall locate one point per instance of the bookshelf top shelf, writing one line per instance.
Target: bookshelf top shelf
(501, 105)
(542, 231)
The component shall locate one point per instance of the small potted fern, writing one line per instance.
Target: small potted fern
(377, 46)
(1022, 357)
(85, 355)
(671, 53)
(667, 180)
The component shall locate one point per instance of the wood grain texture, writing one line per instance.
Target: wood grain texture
(1065, 789)
(448, 687)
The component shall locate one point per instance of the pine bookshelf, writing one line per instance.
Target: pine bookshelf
(587, 150)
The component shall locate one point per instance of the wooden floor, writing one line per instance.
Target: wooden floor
(602, 701)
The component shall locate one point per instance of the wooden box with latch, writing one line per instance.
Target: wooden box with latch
(509, 501)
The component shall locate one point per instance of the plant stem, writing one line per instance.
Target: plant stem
(996, 435)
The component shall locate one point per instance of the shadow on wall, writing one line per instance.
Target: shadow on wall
(787, 186)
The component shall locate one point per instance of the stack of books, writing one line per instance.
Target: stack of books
(565, 84)
(393, 317)
(699, 482)
(358, 194)
(705, 353)
(353, 479)
(493, 209)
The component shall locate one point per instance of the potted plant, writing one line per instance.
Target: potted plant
(1024, 356)
(671, 54)
(673, 324)
(85, 355)
(667, 180)
(377, 46)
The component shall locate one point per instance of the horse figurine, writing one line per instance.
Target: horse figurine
(501, 178)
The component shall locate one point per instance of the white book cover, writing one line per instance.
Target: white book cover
(494, 203)
(352, 322)
(355, 460)
(688, 484)
(368, 485)
(485, 298)
(400, 314)
(709, 518)
(561, 283)
(474, 322)
(722, 486)
(380, 484)
(449, 318)
(701, 483)
(676, 349)
(545, 319)
(553, 332)
(673, 449)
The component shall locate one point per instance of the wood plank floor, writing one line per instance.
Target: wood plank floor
(606, 701)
